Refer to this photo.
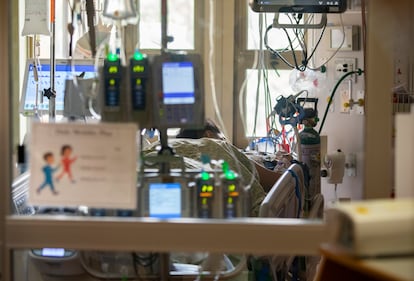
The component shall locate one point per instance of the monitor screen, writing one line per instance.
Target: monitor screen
(53, 252)
(178, 83)
(299, 6)
(62, 73)
(165, 200)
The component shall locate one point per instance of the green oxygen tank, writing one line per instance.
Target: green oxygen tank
(310, 145)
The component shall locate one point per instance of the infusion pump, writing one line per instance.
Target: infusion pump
(163, 92)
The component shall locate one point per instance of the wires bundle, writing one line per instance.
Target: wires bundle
(144, 260)
(300, 37)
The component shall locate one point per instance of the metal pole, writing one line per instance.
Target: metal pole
(6, 54)
(52, 99)
(164, 35)
(164, 266)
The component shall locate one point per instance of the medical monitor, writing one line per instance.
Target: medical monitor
(53, 252)
(63, 71)
(178, 91)
(165, 200)
(178, 82)
(298, 6)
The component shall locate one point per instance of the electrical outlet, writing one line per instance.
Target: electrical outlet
(344, 66)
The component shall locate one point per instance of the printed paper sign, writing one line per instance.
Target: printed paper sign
(83, 165)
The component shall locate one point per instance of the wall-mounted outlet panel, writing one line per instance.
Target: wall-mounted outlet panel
(343, 66)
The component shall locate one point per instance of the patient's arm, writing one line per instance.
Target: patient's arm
(267, 177)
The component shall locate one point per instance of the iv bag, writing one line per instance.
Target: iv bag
(36, 17)
(309, 80)
(119, 9)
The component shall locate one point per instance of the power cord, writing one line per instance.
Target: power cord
(303, 65)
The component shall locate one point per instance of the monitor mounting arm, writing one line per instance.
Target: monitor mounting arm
(319, 25)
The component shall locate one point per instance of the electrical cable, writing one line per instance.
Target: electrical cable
(337, 50)
(306, 59)
(336, 192)
(214, 95)
(242, 91)
(211, 64)
(274, 52)
(297, 66)
(364, 35)
(259, 74)
(36, 71)
(302, 42)
(359, 72)
(316, 46)
(242, 96)
(297, 191)
(296, 31)
(138, 44)
(296, 145)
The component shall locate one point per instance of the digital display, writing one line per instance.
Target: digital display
(53, 252)
(308, 6)
(62, 73)
(178, 83)
(113, 69)
(165, 200)
(207, 191)
(138, 68)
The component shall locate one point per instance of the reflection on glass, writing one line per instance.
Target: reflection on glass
(278, 85)
(180, 24)
(277, 37)
(61, 42)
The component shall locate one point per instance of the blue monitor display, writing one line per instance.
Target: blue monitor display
(178, 83)
(165, 200)
(53, 252)
(62, 73)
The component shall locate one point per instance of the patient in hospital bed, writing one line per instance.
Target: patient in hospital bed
(192, 144)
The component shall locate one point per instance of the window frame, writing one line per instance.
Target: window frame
(198, 31)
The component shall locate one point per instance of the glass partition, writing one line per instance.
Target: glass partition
(216, 49)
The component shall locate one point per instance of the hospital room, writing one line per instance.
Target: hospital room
(192, 140)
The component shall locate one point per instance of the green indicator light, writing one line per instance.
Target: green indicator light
(138, 68)
(113, 69)
(210, 188)
(112, 57)
(205, 176)
(225, 167)
(138, 56)
(230, 175)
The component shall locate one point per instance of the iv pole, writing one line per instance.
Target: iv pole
(164, 35)
(164, 48)
(164, 257)
(52, 98)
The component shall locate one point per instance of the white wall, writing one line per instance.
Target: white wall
(404, 155)
(344, 131)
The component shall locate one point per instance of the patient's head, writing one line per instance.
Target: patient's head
(210, 130)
